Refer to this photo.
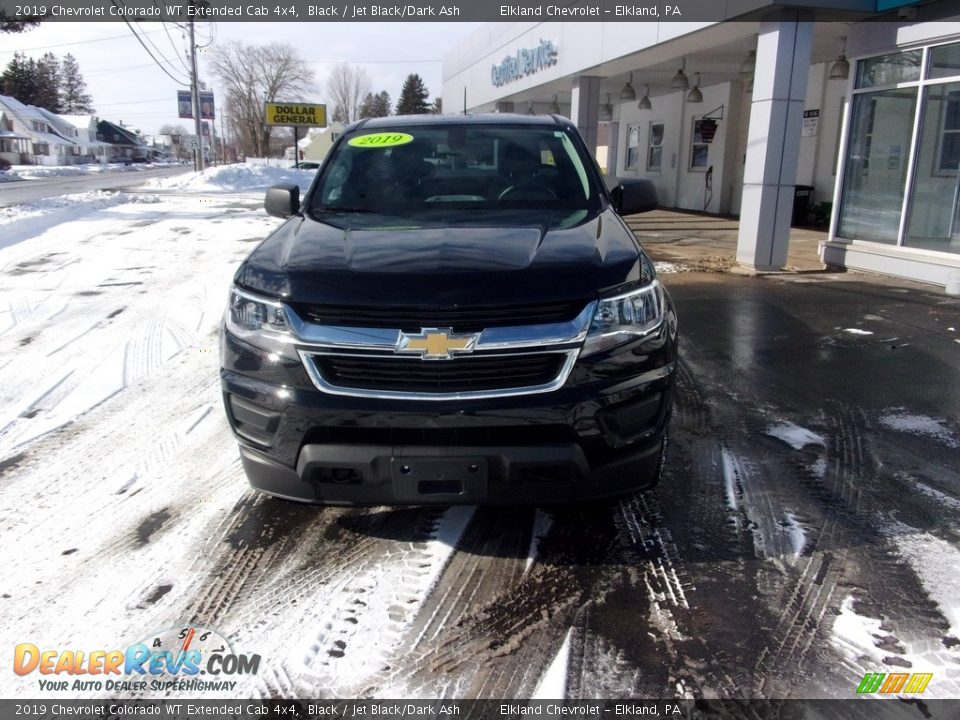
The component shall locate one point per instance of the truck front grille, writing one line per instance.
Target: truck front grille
(463, 319)
(460, 375)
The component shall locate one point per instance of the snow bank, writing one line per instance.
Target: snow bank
(40, 171)
(20, 222)
(235, 178)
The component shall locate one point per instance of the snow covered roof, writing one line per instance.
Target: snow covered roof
(51, 138)
(62, 126)
(80, 121)
(12, 134)
(27, 113)
(22, 111)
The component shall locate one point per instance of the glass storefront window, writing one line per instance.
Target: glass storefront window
(934, 223)
(945, 61)
(889, 69)
(876, 165)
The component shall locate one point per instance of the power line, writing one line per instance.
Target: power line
(115, 70)
(75, 42)
(134, 102)
(174, 46)
(159, 52)
(372, 62)
(144, 46)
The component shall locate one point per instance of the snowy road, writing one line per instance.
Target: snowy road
(806, 530)
(14, 193)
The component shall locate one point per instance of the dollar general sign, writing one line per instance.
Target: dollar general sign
(296, 114)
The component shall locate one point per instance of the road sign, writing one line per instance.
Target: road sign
(296, 114)
(191, 142)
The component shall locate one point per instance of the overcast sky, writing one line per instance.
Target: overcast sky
(127, 86)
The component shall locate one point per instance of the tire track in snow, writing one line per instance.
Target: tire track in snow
(357, 615)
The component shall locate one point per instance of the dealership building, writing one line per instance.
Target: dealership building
(776, 116)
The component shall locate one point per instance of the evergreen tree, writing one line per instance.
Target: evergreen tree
(437, 106)
(74, 99)
(413, 97)
(9, 25)
(19, 79)
(375, 105)
(48, 77)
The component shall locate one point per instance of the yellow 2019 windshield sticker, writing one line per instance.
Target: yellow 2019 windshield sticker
(381, 140)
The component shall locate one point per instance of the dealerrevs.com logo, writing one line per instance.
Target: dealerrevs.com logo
(171, 659)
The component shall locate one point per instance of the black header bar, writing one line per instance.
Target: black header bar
(423, 10)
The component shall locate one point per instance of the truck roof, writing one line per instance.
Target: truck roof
(461, 119)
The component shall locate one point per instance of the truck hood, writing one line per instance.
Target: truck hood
(307, 261)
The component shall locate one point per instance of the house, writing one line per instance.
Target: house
(86, 133)
(318, 142)
(50, 142)
(13, 145)
(125, 145)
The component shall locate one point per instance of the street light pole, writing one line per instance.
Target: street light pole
(195, 91)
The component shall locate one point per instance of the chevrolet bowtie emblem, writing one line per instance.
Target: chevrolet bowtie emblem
(436, 343)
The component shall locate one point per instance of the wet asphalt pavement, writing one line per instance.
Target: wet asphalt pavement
(806, 530)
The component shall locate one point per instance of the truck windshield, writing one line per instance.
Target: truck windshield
(455, 173)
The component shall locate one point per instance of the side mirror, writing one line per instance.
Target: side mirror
(282, 201)
(634, 195)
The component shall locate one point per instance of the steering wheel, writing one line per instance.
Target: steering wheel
(528, 191)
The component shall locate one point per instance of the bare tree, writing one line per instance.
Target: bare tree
(177, 134)
(252, 75)
(346, 88)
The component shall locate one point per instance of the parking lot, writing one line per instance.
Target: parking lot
(805, 531)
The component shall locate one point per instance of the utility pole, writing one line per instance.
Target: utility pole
(195, 90)
(223, 139)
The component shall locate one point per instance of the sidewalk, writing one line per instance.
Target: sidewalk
(709, 243)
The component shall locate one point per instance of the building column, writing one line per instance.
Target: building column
(773, 140)
(613, 147)
(585, 109)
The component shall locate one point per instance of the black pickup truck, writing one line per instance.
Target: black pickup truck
(454, 313)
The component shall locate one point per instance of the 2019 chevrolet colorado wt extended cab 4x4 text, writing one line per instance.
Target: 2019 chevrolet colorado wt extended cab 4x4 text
(455, 313)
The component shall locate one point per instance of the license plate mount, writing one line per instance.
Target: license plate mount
(460, 479)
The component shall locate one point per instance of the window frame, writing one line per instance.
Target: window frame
(942, 131)
(690, 155)
(635, 163)
(651, 146)
(912, 150)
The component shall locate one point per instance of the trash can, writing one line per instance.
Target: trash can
(802, 202)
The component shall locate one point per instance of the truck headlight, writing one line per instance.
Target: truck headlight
(625, 317)
(259, 321)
